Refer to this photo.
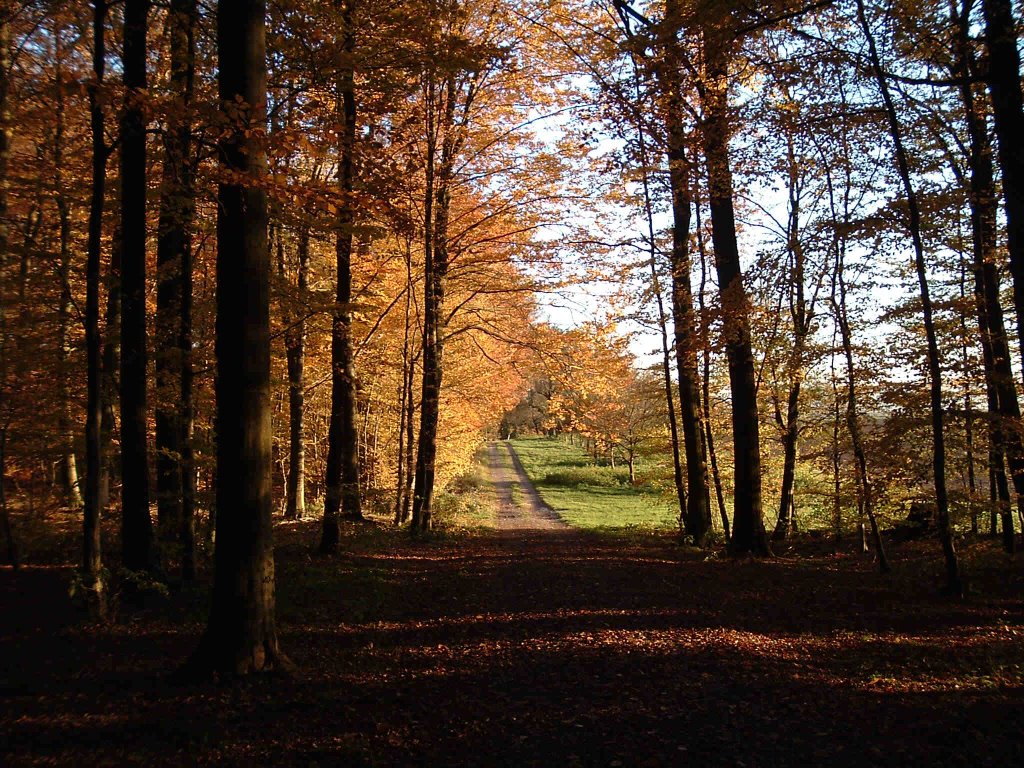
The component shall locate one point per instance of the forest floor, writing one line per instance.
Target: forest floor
(531, 644)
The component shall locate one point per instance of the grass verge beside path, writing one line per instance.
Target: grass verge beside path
(588, 496)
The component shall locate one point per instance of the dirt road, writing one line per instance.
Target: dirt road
(520, 507)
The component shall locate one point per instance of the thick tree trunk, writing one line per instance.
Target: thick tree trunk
(137, 550)
(241, 634)
(954, 584)
(342, 480)
(173, 255)
(748, 533)
(92, 563)
(1008, 113)
(1004, 409)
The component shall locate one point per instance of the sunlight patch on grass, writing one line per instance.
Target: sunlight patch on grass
(589, 496)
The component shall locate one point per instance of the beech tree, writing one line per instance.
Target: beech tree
(241, 633)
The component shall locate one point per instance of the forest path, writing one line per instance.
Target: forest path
(520, 507)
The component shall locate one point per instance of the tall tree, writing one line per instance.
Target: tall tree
(748, 532)
(241, 633)
(1001, 39)
(6, 135)
(174, 268)
(137, 546)
(94, 501)
(954, 583)
(342, 479)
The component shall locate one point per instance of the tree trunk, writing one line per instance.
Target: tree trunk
(954, 583)
(404, 396)
(666, 358)
(708, 434)
(1008, 113)
(110, 359)
(801, 313)
(137, 550)
(295, 348)
(748, 533)
(241, 634)
(342, 480)
(173, 255)
(68, 468)
(435, 269)
(1004, 409)
(92, 563)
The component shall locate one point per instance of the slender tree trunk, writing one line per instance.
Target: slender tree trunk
(6, 137)
(748, 533)
(241, 634)
(865, 493)
(666, 358)
(954, 583)
(709, 437)
(342, 481)
(95, 500)
(110, 359)
(173, 254)
(837, 454)
(405, 396)
(801, 314)
(295, 348)
(68, 470)
(435, 269)
(698, 501)
(137, 550)
(1008, 113)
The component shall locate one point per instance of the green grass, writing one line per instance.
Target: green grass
(589, 496)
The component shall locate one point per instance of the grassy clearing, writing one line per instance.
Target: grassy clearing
(589, 496)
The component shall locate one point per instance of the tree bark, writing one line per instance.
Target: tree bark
(241, 634)
(698, 500)
(295, 349)
(6, 137)
(748, 533)
(137, 550)
(666, 358)
(702, 336)
(435, 267)
(92, 562)
(1004, 409)
(175, 496)
(68, 468)
(1008, 116)
(342, 480)
(173, 254)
